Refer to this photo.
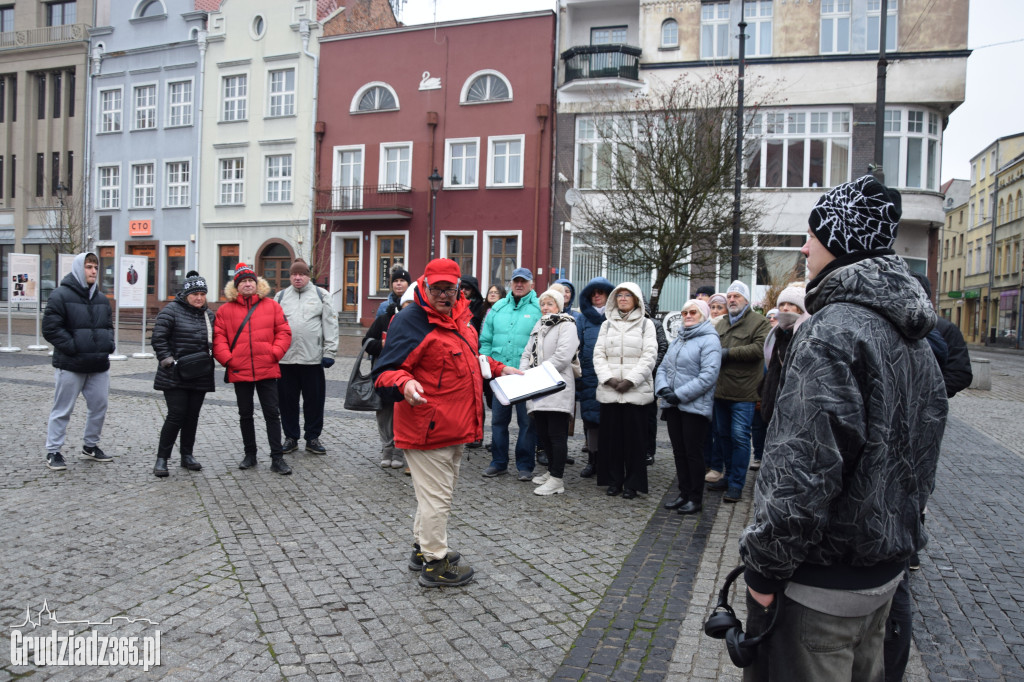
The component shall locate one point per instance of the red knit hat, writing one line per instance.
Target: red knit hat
(243, 271)
(442, 270)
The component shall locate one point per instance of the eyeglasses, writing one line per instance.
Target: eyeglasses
(623, 294)
(443, 293)
(691, 312)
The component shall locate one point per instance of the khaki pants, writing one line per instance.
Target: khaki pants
(434, 473)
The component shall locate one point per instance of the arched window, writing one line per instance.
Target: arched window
(1020, 205)
(486, 86)
(670, 33)
(152, 8)
(374, 97)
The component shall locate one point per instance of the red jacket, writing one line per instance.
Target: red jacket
(262, 343)
(440, 352)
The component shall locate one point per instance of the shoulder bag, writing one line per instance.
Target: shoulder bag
(361, 396)
(197, 365)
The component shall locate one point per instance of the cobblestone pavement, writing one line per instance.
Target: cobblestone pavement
(251, 575)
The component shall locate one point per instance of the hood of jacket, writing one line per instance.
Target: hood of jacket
(460, 310)
(572, 292)
(883, 284)
(611, 311)
(76, 278)
(595, 315)
(474, 285)
(262, 289)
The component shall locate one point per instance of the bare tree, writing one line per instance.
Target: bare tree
(63, 223)
(665, 166)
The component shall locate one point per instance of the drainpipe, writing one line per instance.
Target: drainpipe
(202, 44)
(96, 63)
(304, 32)
(543, 110)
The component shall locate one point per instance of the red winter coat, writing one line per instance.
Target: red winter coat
(440, 352)
(262, 343)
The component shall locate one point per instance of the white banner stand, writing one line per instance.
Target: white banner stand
(37, 345)
(9, 348)
(117, 355)
(142, 354)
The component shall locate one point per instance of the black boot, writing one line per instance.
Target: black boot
(588, 471)
(249, 462)
(279, 466)
(189, 462)
(160, 470)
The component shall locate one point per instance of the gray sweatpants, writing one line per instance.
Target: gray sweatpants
(67, 386)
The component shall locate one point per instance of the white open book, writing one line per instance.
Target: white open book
(534, 383)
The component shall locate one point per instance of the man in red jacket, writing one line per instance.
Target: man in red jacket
(250, 336)
(429, 369)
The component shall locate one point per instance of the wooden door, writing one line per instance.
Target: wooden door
(350, 267)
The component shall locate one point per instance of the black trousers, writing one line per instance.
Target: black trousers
(622, 461)
(898, 632)
(183, 406)
(307, 381)
(553, 437)
(267, 390)
(688, 433)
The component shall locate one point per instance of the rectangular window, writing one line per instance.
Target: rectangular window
(798, 149)
(3, 98)
(70, 170)
(759, 28)
(109, 187)
(282, 92)
(14, 175)
(143, 185)
(875, 25)
(348, 190)
(505, 167)
(390, 255)
(179, 177)
(60, 13)
(110, 111)
(608, 35)
(40, 174)
(145, 107)
(55, 78)
(835, 26)
(714, 30)
(235, 94)
(71, 94)
(227, 259)
(6, 18)
(54, 172)
(279, 178)
(461, 163)
(460, 249)
(179, 103)
(1, 177)
(396, 161)
(40, 96)
(503, 258)
(175, 260)
(232, 181)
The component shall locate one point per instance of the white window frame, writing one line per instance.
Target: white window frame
(493, 159)
(110, 111)
(605, 153)
(669, 34)
(485, 253)
(833, 14)
(926, 141)
(172, 183)
(283, 184)
(353, 107)
(448, 161)
(374, 261)
(343, 197)
(234, 186)
(758, 15)
(236, 105)
(485, 72)
(874, 16)
(461, 233)
(282, 99)
(182, 109)
(798, 124)
(108, 187)
(716, 26)
(404, 179)
(148, 110)
(148, 188)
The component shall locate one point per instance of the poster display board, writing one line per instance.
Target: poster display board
(24, 282)
(131, 288)
(64, 263)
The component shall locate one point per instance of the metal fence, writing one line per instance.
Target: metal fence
(588, 263)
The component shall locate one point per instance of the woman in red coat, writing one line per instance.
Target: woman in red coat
(250, 350)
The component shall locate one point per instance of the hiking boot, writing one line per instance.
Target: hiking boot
(160, 470)
(187, 462)
(553, 486)
(249, 462)
(289, 445)
(95, 454)
(443, 573)
(313, 445)
(416, 558)
(588, 470)
(279, 466)
(55, 461)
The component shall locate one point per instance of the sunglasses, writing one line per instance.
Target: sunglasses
(691, 312)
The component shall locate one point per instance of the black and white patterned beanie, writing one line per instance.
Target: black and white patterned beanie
(862, 215)
(194, 283)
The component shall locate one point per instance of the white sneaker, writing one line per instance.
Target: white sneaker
(541, 479)
(397, 464)
(713, 476)
(385, 463)
(553, 486)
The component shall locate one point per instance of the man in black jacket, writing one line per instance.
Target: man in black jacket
(78, 323)
(851, 452)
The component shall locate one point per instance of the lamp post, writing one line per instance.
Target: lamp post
(435, 181)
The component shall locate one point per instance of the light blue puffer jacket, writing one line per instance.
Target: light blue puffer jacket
(690, 368)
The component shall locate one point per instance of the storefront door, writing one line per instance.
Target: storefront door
(350, 266)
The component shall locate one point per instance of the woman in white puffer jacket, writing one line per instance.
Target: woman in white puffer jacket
(624, 359)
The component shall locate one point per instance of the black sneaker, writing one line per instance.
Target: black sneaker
(915, 562)
(289, 445)
(313, 445)
(279, 466)
(443, 573)
(416, 558)
(248, 462)
(55, 461)
(95, 454)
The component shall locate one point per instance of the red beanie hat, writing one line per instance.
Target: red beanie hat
(243, 271)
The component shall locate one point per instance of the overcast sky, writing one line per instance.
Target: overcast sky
(994, 106)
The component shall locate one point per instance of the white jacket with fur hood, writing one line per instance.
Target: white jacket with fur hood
(627, 348)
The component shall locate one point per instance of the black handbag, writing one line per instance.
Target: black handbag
(195, 365)
(361, 396)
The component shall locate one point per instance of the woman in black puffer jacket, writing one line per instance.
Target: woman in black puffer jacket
(184, 326)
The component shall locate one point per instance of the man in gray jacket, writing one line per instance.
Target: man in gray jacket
(851, 451)
(314, 326)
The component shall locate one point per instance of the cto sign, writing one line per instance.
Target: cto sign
(140, 228)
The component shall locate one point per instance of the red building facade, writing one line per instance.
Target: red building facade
(472, 99)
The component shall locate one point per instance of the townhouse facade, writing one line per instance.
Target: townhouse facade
(949, 288)
(472, 115)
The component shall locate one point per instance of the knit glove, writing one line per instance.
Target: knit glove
(624, 385)
(327, 362)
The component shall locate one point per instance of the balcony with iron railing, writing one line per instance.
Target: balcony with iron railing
(365, 202)
(612, 64)
(44, 35)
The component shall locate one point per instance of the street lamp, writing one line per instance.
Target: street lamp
(435, 181)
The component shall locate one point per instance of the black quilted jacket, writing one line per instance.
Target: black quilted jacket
(179, 330)
(853, 445)
(79, 325)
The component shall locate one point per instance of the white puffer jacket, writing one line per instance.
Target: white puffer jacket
(557, 344)
(626, 349)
